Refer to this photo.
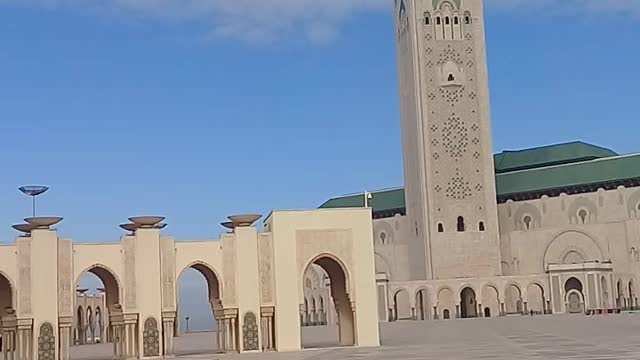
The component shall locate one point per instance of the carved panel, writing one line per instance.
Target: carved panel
(24, 276)
(250, 332)
(151, 338)
(129, 248)
(168, 273)
(46, 343)
(266, 265)
(65, 280)
(229, 270)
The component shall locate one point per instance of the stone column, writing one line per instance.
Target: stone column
(480, 312)
(457, 311)
(168, 318)
(435, 313)
(131, 336)
(25, 339)
(526, 310)
(65, 337)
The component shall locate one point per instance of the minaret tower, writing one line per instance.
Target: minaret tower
(446, 137)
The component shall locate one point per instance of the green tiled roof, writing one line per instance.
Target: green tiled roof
(544, 156)
(600, 171)
(383, 200)
(545, 170)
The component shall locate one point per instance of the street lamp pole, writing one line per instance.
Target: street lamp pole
(187, 318)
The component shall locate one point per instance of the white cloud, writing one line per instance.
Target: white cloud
(318, 21)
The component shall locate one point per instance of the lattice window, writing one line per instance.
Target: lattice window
(432, 96)
(452, 96)
(458, 188)
(470, 63)
(436, 156)
(468, 36)
(476, 155)
(473, 95)
(434, 127)
(455, 137)
(479, 187)
(429, 64)
(475, 141)
(450, 54)
(435, 142)
(469, 50)
(475, 127)
(438, 188)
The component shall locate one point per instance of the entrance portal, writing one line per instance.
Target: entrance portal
(198, 303)
(338, 288)
(468, 305)
(574, 300)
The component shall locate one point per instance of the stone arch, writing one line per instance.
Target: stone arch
(312, 278)
(6, 292)
(402, 304)
(513, 298)
(112, 285)
(574, 298)
(490, 300)
(211, 275)
(339, 279)
(382, 265)
(331, 259)
(466, 285)
(569, 241)
(446, 302)
(423, 303)
(468, 303)
(572, 255)
(530, 210)
(579, 205)
(535, 298)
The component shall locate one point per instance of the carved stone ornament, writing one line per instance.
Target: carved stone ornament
(46, 343)
(151, 338)
(250, 332)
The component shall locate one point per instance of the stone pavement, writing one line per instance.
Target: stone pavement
(550, 337)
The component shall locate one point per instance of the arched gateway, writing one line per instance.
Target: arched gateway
(255, 283)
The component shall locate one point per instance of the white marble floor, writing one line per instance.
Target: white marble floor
(550, 337)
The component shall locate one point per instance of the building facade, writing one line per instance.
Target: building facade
(548, 230)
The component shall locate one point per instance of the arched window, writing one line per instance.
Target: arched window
(447, 21)
(451, 78)
(583, 214)
(467, 20)
(527, 222)
(440, 228)
(427, 21)
(455, 20)
(460, 224)
(481, 226)
(438, 21)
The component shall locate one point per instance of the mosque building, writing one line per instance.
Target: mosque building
(548, 230)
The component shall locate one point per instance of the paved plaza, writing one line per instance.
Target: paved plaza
(551, 337)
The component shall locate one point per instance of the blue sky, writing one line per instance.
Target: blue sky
(196, 112)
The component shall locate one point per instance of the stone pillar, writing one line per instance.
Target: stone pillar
(525, 308)
(65, 337)
(502, 311)
(25, 339)
(457, 311)
(435, 313)
(8, 330)
(131, 344)
(168, 319)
